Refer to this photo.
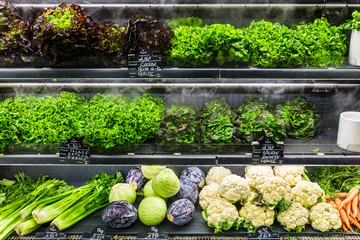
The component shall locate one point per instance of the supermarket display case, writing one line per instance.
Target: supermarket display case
(332, 90)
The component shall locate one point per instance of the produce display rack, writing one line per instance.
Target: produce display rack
(325, 86)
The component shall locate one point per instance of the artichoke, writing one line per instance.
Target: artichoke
(302, 117)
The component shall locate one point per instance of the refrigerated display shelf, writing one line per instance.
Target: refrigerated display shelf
(178, 75)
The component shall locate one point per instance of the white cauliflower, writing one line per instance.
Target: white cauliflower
(324, 217)
(221, 215)
(256, 216)
(291, 174)
(256, 175)
(307, 193)
(207, 194)
(274, 190)
(217, 174)
(294, 218)
(234, 188)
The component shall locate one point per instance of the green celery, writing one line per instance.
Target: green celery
(24, 228)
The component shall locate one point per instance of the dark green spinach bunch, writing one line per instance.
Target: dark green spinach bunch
(180, 125)
(256, 120)
(302, 117)
(217, 119)
(320, 43)
(143, 31)
(272, 45)
(353, 23)
(181, 21)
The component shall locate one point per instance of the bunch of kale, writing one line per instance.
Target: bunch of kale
(180, 125)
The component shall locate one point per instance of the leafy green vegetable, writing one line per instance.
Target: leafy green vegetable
(104, 122)
(189, 21)
(199, 46)
(143, 31)
(272, 45)
(256, 120)
(67, 32)
(321, 44)
(335, 179)
(179, 125)
(302, 117)
(217, 119)
(353, 23)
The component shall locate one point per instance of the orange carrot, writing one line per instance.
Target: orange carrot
(358, 215)
(338, 203)
(333, 204)
(345, 219)
(356, 223)
(354, 205)
(326, 197)
(350, 196)
(352, 215)
(342, 195)
(348, 208)
(344, 227)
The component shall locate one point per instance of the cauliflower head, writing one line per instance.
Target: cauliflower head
(256, 216)
(274, 190)
(256, 175)
(208, 194)
(217, 174)
(291, 174)
(221, 215)
(234, 188)
(324, 217)
(307, 193)
(294, 218)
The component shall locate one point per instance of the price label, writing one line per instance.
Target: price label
(153, 233)
(267, 151)
(97, 234)
(263, 232)
(74, 151)
(51, 232)
(145, 64)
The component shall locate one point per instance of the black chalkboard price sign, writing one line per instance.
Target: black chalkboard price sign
(96, 234)
(153, 233)
(74, 151)
(52, 232)
(264, 233)
(267, 151)
(145, 64)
